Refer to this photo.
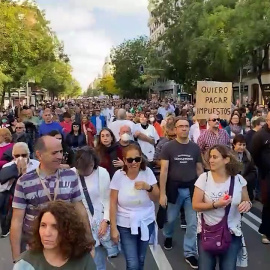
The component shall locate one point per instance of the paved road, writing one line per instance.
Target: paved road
(173, 260)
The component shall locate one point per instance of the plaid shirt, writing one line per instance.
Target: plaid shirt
(208, 139)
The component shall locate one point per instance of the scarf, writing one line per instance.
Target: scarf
(235, 129)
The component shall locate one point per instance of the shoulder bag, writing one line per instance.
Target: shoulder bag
(216, 239)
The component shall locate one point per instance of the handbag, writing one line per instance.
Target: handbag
(161, 216)
(216, 239)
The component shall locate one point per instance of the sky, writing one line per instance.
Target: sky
(90, 28)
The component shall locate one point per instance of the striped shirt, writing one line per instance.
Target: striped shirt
(31, 196)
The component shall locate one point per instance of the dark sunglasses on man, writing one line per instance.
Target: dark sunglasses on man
(215, 120)
(21, 155)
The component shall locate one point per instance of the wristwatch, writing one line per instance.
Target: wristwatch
(150, 189)
(107, 221)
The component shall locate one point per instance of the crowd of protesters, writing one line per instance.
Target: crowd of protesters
(84, 177)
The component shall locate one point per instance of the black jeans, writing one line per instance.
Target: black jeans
(5, 214)
(265, 226)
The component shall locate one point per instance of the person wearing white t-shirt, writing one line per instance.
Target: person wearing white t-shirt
(132, 211)
(97, 181)
(211, 197)
(109, 113)
(121, 121)
(147, 137)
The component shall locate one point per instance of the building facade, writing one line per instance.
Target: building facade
(165, 88)
(107, 69)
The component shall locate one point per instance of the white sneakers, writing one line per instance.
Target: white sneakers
(265, 240)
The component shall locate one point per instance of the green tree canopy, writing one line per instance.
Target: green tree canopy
(27, 44)
(127, 59)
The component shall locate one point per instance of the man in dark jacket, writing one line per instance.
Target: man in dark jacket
(261, 155)
(21, 136)
(257, 123)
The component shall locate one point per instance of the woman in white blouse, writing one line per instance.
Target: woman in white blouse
(97, 183)
(211, 197)
(132, 211)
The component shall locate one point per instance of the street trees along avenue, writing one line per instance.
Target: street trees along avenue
(127, 58)
(213, 39)
(27, 43)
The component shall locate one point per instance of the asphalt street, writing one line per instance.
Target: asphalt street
(160, 259)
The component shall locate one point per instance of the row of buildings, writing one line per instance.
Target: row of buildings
(107, 70)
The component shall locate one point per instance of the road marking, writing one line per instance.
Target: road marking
(160, 258)
(254, 217)
(251, 225)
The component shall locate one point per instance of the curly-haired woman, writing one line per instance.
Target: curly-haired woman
(59, 241)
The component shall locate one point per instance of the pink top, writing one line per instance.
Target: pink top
(3, 149)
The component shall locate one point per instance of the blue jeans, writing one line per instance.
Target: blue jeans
(190, 238)
(100, 258)
(133, 247)
(227, 261)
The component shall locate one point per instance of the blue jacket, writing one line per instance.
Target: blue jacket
(102, 118)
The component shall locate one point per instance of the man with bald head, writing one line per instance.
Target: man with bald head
(261, 154)
(40, 186)
(48, 124)
(211, 137)
(126, 137)
(121, 121)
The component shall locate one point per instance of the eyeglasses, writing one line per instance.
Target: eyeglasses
(182, 126)
(21, 155)
(136, 159)
(19, 127)
(215, 119)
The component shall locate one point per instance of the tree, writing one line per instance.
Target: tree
(108, 86)
(196, 40)
(55, 76)
(92, 92)
(26, 44)
(213, 39)
(127, 59)
(251, 36)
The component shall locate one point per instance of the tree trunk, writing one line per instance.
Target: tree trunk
(260, 70)
(3, 98)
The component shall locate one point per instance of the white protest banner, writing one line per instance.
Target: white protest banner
(213, 98)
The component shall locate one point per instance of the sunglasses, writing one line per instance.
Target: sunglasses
(21, 155)
(19, 127)
(136, 159)
(215, 119)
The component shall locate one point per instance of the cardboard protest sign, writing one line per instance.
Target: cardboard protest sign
(213, 98)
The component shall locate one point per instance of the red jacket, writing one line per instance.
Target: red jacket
(67, 126)
(89, 134)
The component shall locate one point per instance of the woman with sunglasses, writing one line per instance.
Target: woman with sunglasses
(76, 139)
(109, 153)
(132, 212)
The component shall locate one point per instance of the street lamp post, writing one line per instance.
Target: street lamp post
(240, 85)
